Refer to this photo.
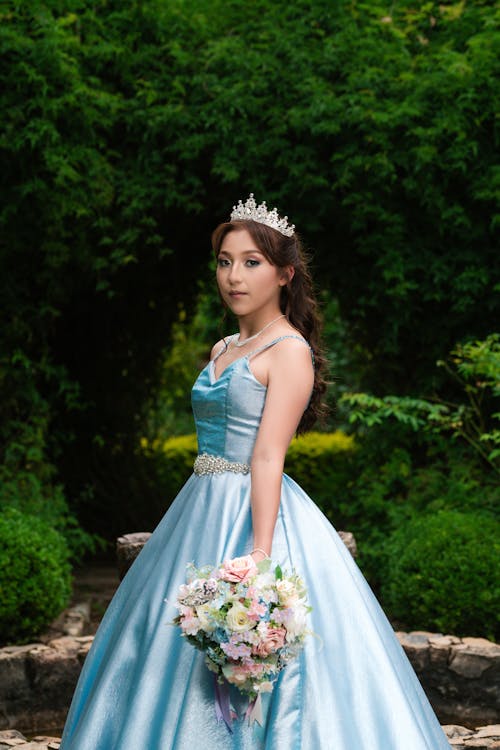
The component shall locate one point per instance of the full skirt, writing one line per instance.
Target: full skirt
(143, 687)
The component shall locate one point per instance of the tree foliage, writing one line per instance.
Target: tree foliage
(475, 366)
(128, 130)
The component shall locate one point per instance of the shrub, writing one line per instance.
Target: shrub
(441, 571)
(173, 460)
(36, 575)
(320, 462)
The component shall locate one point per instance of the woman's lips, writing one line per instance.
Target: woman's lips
(236, 294)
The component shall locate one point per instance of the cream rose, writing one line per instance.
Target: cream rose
(237, 618)
(287, 593)
(238, 569)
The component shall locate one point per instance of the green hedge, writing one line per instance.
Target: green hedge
(36, 579)
(323, 464)
(320, 462)
(441, 572)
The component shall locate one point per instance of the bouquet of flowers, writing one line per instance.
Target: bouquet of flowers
(248, 618)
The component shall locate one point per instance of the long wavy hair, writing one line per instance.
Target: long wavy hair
(297, 300)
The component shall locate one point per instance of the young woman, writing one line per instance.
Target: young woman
(143, 687)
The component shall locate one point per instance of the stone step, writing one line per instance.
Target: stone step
(460, 738)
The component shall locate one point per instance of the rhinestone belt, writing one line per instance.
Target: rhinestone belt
(206, 464)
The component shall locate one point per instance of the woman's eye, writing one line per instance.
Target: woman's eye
(251, 262)
(222, 262)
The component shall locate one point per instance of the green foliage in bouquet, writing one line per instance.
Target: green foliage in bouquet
(441, 571)
(35, 584)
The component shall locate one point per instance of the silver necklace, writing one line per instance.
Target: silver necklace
(251, 338)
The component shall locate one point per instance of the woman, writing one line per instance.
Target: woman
(143, 687)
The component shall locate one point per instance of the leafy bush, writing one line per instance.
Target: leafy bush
(28, 479)
(323, 464)
(173, 461)
(126, 131)
(36, 575)
(474, 418)
(441, 571)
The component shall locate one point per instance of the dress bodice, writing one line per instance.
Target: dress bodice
(228, 409)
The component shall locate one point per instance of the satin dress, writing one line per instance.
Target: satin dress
(143, 687)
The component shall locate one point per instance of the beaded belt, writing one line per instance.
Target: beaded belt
(206, 464)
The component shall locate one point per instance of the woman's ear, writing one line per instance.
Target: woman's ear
(287, 275)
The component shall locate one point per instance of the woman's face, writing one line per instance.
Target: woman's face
(247, 281)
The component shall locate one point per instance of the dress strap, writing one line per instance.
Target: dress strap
(224, 346)
(280, 338)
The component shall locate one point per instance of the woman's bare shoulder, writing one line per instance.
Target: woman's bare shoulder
(221, 344)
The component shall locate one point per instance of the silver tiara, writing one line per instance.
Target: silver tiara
(251, 211)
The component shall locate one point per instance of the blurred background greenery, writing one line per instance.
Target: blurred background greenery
(128, 131)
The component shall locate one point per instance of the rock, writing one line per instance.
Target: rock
(461, 676)
(493, 730)
(77, 619)
(473, 656)
(349, 541)
(481, 738)
(37, 682)
(416, 646)
(128, 548)
(11, 738)
(454, 731)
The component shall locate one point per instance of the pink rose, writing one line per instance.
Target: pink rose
(238, 569)
(272, 640)
(236, 674)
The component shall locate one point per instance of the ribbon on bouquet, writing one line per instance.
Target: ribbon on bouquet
(223, 710)
(256, 714)
(254, 711)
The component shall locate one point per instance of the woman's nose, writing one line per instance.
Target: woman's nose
(234, 272)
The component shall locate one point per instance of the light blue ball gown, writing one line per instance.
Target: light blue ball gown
(143, 687)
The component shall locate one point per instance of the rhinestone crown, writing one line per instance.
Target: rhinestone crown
(260, 213)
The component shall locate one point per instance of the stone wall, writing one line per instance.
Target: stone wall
(37, 682)
(461, 676)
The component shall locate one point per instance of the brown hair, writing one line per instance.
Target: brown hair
(297, 300)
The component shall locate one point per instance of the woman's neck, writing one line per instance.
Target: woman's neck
(252, 325)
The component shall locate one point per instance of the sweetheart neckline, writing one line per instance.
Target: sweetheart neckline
(213, 380)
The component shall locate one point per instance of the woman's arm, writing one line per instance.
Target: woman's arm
(291, 378)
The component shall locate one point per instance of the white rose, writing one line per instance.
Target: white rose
(184, 592)
(296, 625)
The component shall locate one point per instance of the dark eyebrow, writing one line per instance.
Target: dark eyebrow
(245, 252)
